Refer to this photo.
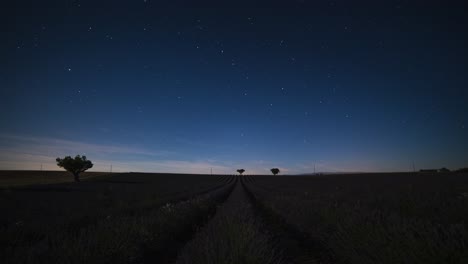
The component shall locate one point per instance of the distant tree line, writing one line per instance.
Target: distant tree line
(80, 164)
(443, 170)
(275, 171)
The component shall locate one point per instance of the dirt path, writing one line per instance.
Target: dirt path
(242, 231)
(181, 234)
(297, 247)
(234, 235)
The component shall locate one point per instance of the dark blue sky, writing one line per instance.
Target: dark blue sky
(184, 88)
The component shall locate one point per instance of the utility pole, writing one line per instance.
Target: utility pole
(414, 168)
(314, 168)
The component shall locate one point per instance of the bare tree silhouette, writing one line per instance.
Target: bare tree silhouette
(240, 171)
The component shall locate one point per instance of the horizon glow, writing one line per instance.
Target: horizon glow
(154, 88)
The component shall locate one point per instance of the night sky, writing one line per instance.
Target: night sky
(177, 87)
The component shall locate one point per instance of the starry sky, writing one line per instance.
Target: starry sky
(185, 87)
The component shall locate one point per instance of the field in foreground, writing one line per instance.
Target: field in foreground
(22, 178)
(171, 218)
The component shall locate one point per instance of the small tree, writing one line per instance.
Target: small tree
(240, 171)
(75, 165)
(275, 171)
(445, 170)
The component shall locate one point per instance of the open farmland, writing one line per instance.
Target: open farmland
(372, 218)
(22, 178)
(173, 218)
(110, 218)
(234, 132)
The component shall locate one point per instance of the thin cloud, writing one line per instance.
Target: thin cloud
(166, 166)
(341, 167)
(45, 145)
(33, 153)
(24, 152)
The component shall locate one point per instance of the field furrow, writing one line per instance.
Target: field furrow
(297, 246)
(205, 219)
(394, 218)
(234, 235)
(122, 232)
(185, 219)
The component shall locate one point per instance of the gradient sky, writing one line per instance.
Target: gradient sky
(184, 88)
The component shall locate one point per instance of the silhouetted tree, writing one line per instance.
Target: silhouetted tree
(275, 171)
(445, 170)
(240, 171)
(75, 165)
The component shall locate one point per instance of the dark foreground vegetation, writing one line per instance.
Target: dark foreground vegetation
(373, 218)
(170, 218)
(234, 235)
(22, 178)
(120, 219)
